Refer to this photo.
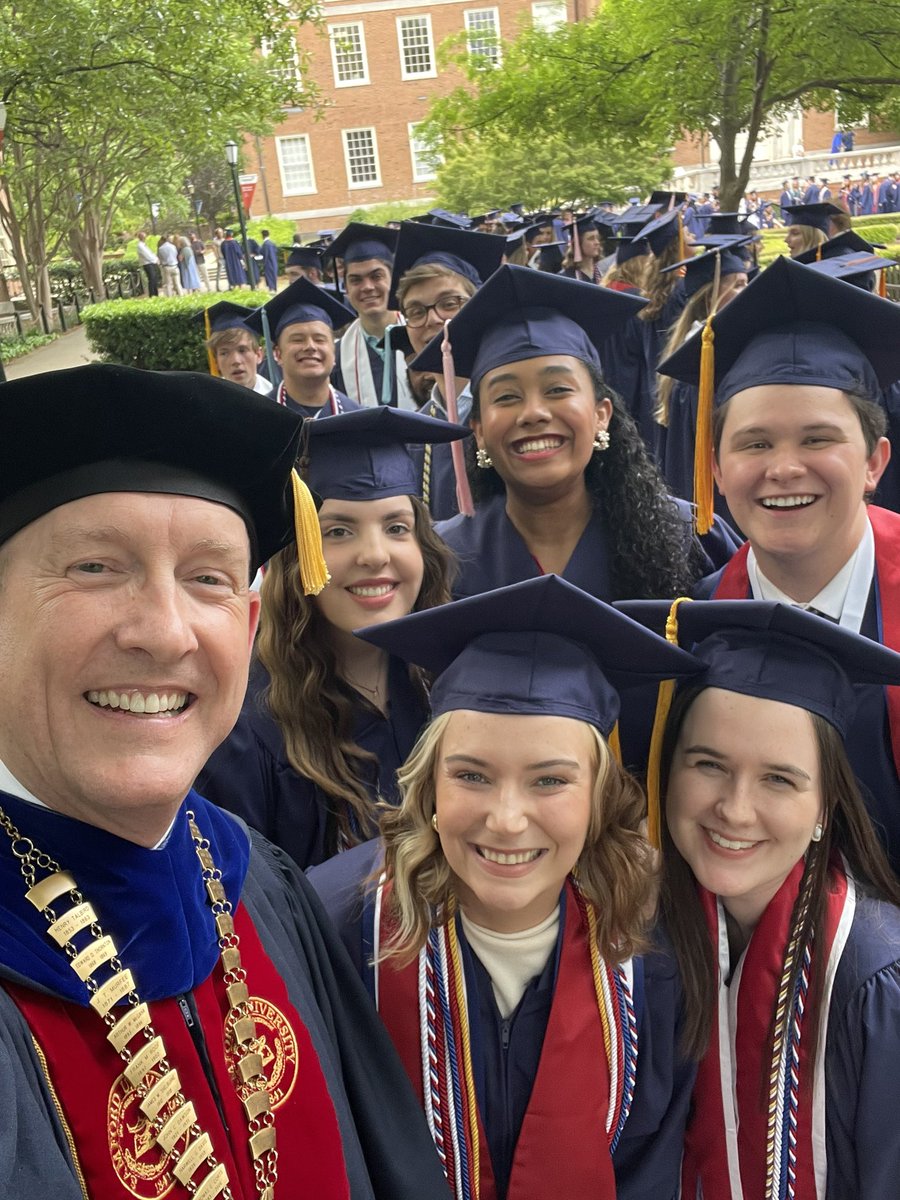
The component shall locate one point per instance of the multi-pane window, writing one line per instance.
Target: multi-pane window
(416, 48)
(424, 161)
(348, 54)
(288, 71)
(483, 28)
(361, 157)
(295, 164)
(548, 14)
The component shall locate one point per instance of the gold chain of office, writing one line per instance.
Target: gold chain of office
(172, 1117)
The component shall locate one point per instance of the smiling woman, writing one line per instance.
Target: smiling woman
(781, 907)
(501, 942)
(328, 719)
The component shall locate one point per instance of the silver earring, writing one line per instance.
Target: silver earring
(818, 831)
(434, 822)
(483, 459)
(601, 441)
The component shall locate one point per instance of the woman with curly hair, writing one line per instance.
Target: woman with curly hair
(328, 719)
(505, 942)
(561, 480)
(782, 909)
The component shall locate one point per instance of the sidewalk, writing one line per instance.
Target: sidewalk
(69, 350)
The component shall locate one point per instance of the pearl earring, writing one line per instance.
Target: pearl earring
(818, 831)
(601, 441)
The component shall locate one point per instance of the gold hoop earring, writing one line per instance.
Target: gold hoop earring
(434, 822)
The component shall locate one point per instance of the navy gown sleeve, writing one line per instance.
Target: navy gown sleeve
(862, 1064)
(340, 884)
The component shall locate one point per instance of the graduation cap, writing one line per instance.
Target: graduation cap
(540, 647)
(216, 318)
(120, 429)
(725, 225)
(816, 216)
(531, 230)
(636, 247)
(475, 256)
(299, 303)
(668, 199)
(856, 267)
(443, 217)
(841, 243)
(664, 229)
(521, 314)
(790, 326)
(363, 455)
(358, 243)
(701, 269)
(637, 215)
(305, 256)
(586, 223)
(551, 257)
(767, 650)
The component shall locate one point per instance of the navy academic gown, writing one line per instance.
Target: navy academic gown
(441, 498)
(270, 263)
(376, 362)
(387, 1148)
(681, 434)
(234, 262)
(250, 774)
(785, 200)
(868, 740)
(506, 1052)
(492, 554)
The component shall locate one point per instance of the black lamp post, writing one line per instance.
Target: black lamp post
(231, 154)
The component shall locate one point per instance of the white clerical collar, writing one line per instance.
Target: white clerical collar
(11, 785)
(843, 598)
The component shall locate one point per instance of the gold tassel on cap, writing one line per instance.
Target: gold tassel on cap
(313, 571)
(664, 696)
(682, 246)
(614, 743)
(703, 476)
(210, 357)
(882, 284)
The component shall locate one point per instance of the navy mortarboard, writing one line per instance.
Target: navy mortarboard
(542, 646)
(521, 314)
(363, 455)
(223, 315)
(668, 199)
(473, 255)
(816, 216)
(359, 243)
(701, 268)
(664, 229)
(299, 303)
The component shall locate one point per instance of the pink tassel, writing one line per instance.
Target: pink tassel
(463, 491)
(576, 243)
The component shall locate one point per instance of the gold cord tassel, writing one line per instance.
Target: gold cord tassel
(703, 479)
(313, 571)
(210, 357)
(882, 284)
(819, 252)
(682, 247)
(614, 743)
(664, 695)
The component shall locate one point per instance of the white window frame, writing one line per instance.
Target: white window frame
(493, 54)
(292, 72)
(367, 183)
(544, 23)
(418, 176)
(344, 83)
(286, 190)
(431, 73)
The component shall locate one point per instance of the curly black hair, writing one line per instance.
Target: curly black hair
(653, 553)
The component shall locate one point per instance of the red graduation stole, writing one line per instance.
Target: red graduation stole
(735, 585)
(109, 1135)
(725, 1146)
(562, 1147)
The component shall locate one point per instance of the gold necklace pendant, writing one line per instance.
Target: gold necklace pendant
(173, 1125)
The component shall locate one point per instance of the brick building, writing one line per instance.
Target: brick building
(376, 65)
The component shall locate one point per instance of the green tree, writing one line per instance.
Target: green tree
(637, 73)
(105, 96)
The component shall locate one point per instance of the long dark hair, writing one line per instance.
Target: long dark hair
(846, 828)
(652, 552)
(313, 706)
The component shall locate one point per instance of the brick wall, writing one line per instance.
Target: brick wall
(387, 104)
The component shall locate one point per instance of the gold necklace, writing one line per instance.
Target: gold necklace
(178, 1132)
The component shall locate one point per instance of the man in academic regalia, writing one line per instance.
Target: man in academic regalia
(233, 257)
(801, 360)
(269, 261)
(176, 1018)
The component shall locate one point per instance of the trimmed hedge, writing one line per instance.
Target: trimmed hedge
(157, 334)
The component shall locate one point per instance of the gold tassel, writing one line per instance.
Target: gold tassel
(882, 284)
(313, 571)
(682, 248)
(614, 743)
(703, 479)
(211, 358)
(664, 695)
(819, 252)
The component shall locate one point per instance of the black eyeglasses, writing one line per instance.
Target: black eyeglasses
(446, 307)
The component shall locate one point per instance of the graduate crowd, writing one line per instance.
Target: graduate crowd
(470, 766)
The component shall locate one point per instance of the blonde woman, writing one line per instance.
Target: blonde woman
(501, 945)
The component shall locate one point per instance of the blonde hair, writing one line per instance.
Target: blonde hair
(425, 271)
(230, 337)
(811, 239)
(696, 309)
(632, 271)
(616, 868)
